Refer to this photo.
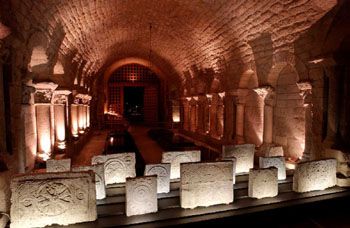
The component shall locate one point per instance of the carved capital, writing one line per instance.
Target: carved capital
(28, 94)
(60, 96)
(44, 92)
(263, 91)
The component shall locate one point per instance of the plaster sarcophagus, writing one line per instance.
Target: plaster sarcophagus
(54, 166)
(175, 158)
(117, 166)
(163, 175)
(99, 178)
(206, 184)
(243, 153)
(315, 175)
(141, 195)
(43, 199)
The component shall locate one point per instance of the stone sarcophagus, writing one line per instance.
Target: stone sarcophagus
(205, 184)
(117, 166)
(243, 153)
(99, 178)
(263, 183)
(234, 161)
(141, 195)
(43, 199)
(315, 175)
(278, 162)
(163, 175)
(54, 166)
(175, 158)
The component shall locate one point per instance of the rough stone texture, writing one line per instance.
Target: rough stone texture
(274, 151)
(5, 196)
(163, 175)
(277, 162)
(244, 155)
(343, 160)
(315, 175)
(206, 184)
(263, 183)
(46, 198)
(175, 158)
(141, 195)
(54, 166)
(234, 161)
(99, 178)
(117, 166)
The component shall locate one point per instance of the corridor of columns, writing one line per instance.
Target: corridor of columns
(109, 92)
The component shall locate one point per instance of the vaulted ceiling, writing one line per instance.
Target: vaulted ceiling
(87, 36)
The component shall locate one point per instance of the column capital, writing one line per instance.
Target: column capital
(44, 92)
(60, 96)
(28, 94)
(305, 88)
(263, 91)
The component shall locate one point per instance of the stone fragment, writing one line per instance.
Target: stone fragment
(206, 184)
(315, 175)
(263, 183)
(163, 175)
(141, 195)
(99, 178)
(42, 199)
(175, 158)
(234, 161)
(117, 166)
(5, 195)
(243, 153)
(54, 166)
(278, 162)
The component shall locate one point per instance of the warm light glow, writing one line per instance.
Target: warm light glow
(316, 61)
(176, 114)
(74, 120)
(81, 119)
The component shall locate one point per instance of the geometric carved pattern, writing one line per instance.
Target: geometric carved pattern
(243, 153)
(278, 162)
(315, 175)
(163, 175)
(175, 158)
(99, 178)
(141, 195)
(54, 166)
(206, 184)
(263, 183)
(42, 199)
(117, 166)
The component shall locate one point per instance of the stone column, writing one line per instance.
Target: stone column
(74, 119)
(268, 94)
(186, 106)
(175, 111)
(60, 100)
(220, 115)
(213, 116)
(43, 98)
(81, 113)
(86, 102)
(208, 113)
(28, 123)
(305, 88)
(239, 101)
(230, 117)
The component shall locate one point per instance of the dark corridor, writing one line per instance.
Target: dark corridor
(133, 103)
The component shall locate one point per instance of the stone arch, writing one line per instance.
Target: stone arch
(289, 113)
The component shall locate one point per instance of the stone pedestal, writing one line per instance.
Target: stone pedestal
(141, 195)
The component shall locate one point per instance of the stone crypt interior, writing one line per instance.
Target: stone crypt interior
(156, 113)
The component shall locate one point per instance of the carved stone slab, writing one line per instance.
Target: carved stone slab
(175, 158)
(99, 178)
(243, 153)
(206, 184)
(278, 162)
(117, 166)
(263, 183)
(141, 195)
(43, 199)
(234, 160)
(315, 175)
(54, 166)
(163, 175)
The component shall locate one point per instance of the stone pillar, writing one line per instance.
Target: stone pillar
(239, 101)
(43, 99)
(186, 106)
(74, 120)
(60, 100)
(213, 116)
(88, 119)
(28, 122)
(175, 112)
(305, 88)
(230, 117)
(208, 113)
(194, 113)
(268, 94)
(220, 115)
